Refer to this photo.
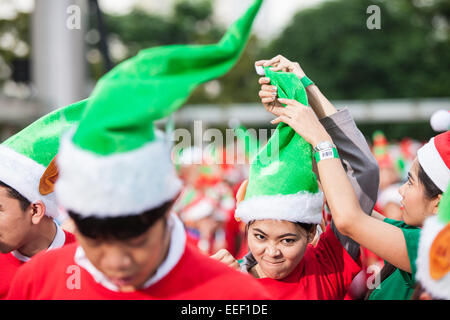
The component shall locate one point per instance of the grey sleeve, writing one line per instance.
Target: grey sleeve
(248, 262)
(359, 164)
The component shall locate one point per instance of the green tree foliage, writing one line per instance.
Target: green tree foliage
(191, 22)
(14, 32)
(409, 57)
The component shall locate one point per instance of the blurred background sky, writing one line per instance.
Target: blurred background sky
(392, 79)
(274, 14)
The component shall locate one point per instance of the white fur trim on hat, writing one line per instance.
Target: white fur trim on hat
(116, 185)
(439, 289)
(433, 165)
(300, 207)
(24, 174)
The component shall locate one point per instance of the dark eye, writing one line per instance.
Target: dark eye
(259, 236)
(288, 241)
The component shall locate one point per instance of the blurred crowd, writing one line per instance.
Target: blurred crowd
(212, 179)
(208, 201)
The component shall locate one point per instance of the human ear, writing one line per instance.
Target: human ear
(37, 211)
(436, 202)
(312, 234)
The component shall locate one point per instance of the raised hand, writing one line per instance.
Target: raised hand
(268, 95)
(225, 257)
(303, 120)
(280, 63)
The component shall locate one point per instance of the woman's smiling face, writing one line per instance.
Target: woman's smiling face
(278, 246)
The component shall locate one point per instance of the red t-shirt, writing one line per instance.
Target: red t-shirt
(52, 276)
(10, 264)
(325, 273)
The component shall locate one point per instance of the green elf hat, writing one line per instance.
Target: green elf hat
(281, 183)
(116, 163)
(247, 141)
(26, 155)
(433, 259)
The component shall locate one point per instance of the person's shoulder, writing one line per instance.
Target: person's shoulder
(48, 261)
(224, 280)
(45, 269)
(328, 254)
(328, 239)
(8, 258)
(400, 224)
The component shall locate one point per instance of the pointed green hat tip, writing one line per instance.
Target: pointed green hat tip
(152, 85)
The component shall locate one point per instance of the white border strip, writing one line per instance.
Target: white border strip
(433, 165)
(300, 207)
(115, 185)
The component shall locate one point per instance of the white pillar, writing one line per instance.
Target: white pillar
(58, 53)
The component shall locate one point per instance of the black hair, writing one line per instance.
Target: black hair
(431, 190)
(119, 228)
(14, 194)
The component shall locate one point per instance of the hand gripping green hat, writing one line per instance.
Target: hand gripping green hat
(116, 163)
(281, 182)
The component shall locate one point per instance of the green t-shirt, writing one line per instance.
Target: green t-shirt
(400, 284)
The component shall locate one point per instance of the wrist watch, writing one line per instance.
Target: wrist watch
(325, 150)
(323, 145)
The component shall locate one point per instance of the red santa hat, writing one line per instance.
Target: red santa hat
(434, 157)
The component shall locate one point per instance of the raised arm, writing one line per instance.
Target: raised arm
(359, 163)
(383, 239)
(357, 159)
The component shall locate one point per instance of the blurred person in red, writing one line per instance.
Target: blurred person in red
(388, 202)
(204, 223)
(207, 202)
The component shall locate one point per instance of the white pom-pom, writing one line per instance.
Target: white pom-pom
(440, 120)
(260, 70)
